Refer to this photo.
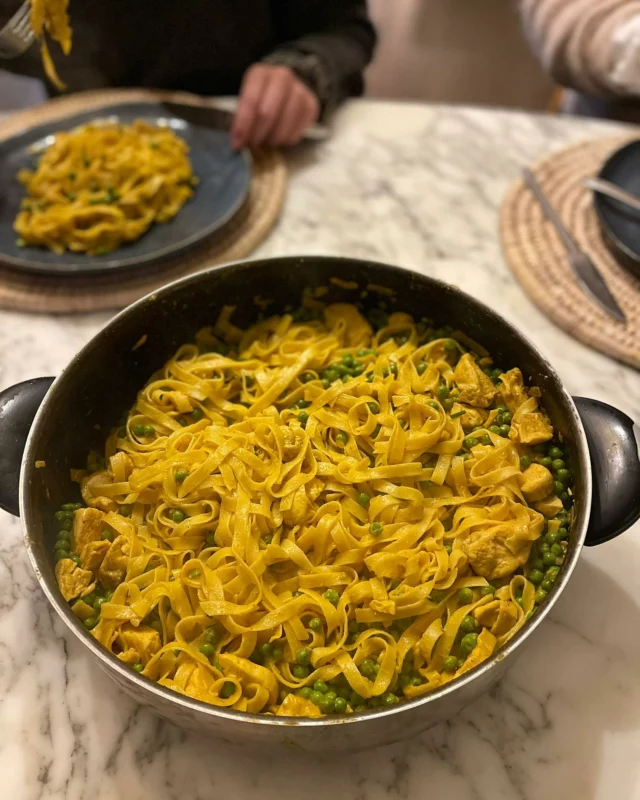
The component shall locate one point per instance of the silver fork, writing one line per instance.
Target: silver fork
(17, 35)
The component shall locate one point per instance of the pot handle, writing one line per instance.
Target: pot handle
(18, 407)
(616, 470)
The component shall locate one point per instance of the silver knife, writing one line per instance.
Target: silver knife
(219, 113)
(583, 267)
(611, 190)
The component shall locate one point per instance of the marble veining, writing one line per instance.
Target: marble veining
(420, 187)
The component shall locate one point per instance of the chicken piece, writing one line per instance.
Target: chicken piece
(475, 387)
(72, 579)
(550, 506)
(114, 565)
(87, 526)
(97, 501)
(92, 555)
(297, 512)
(499, 616)
(512, 391)
(531, 429)
(144, 640)
(471, 417)
(481, 652)
(536, 483)
(489, 555)
(129, 657)
(295, 706)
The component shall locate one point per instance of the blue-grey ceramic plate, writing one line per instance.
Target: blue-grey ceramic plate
(224, 179)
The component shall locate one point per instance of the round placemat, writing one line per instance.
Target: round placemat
(534, 252)
(237, 239)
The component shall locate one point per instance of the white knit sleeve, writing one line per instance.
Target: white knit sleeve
(625, 60)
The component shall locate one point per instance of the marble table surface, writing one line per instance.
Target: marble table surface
(418, 186)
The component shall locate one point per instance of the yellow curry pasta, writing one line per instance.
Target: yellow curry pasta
(100, 186)
(51, 16)
(315, 516)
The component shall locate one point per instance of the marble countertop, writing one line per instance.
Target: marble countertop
(418, 186)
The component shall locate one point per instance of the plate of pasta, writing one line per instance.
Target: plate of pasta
(119, 188)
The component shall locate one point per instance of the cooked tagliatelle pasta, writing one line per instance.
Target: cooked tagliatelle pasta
(314, 517)
(103, 185)
(51, 16)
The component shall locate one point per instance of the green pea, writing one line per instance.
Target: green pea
(495, 374)
(557, 550)
(549, 559)
(299, 671)
(98, 603)
(315, 624)
(303, 417)
(486, 590)
(504, 430)
(450, 664)
(545, 462)
(525, 462)
(546, 585)
(228, 688)
(303, 656)
(465, 596)
(368, 668)
(90, 623)
(563, 475)
(353, 627)
(138, 430)
(62, 545)
(437, 595)
(393, 368)
(554, 452)
(339, 705)
(450, 345)
(361, 707)
(194, 574)
(331, 375)
(552, 573)
(305, 692)
(66, 535)
(210, 540)
(540, 595)
(177, 515)
(494, 429)
(447, 404)
(181, 475)
(376, 528)
(468, 624)
(416, 681)
(320, 686)
(65, 524)
(364, 499)
(543, 547)
(211, 635)
(373, 407)
(125, 510)
(149, 430)
(486, 440)
(551, 537)
(207, 649)
(376, 431)
(306, 377)
(443, 391)
(421, 367)
(316, 698)
(138, 667)
(389, 699)
(277, 653)
(558, 487)
(264, 650)
(60, 554)
(326, 383)
(536, 576)
(106, 535)
(76, 559)
(433, 404)
(342, 437)
(469, 642)
(470, 442)
(562, 534)
(332, 596)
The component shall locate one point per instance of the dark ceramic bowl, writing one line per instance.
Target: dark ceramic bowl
(224, 179)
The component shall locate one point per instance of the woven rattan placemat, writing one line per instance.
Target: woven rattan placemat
(239, 237)
(534, 252)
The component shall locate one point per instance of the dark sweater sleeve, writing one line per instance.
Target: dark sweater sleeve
(328, 43)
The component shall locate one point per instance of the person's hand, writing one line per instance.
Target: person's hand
(275, 107)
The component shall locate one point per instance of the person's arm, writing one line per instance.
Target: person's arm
(325, 46)
(589, 45)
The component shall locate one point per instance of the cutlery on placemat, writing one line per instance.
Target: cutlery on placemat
(614, 192)
(17, 35)
(583, 267)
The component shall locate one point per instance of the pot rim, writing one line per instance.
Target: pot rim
(153, 690)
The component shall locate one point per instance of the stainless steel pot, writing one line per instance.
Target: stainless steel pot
(73, 413)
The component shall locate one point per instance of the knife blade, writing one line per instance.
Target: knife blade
(220, 113)
(586, 272)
